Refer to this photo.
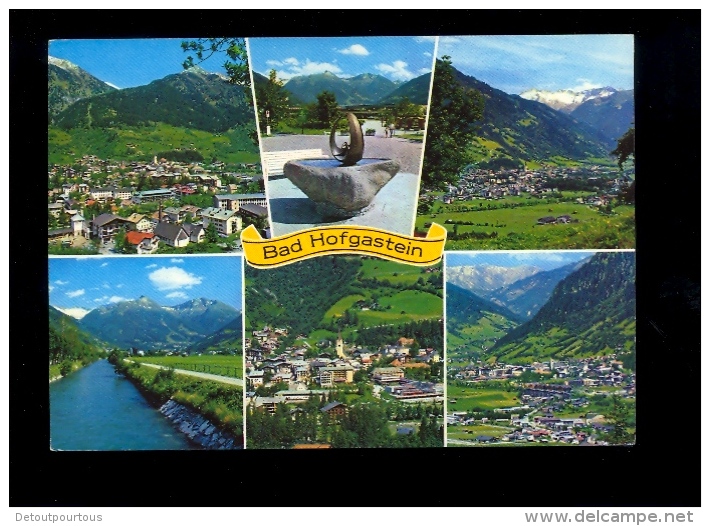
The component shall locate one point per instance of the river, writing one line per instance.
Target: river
(97, 409)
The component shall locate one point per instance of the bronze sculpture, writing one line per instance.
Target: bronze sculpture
(349, 153)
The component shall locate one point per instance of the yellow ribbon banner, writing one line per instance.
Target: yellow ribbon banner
(322, 241)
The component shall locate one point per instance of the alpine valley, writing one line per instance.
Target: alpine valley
(530, 171)
(145, 325)
(552, 350)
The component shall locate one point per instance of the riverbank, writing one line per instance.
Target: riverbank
(208, 412)
(55, 370)
(198, 428)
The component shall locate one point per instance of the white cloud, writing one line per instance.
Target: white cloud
(397, 70)
(169, 278)
(291, 61)
(104, 265)
(424, 39)
(152, 266)
(426, 54)
(51, 288)
(176, 260)
(75, 293)
(355, 49)
(60, 282)
(423, 70)
(177, 294)
(101, 299)
(294, 68)
(119, 286)
(116, 299)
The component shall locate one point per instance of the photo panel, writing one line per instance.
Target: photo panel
(145, 353)
(344, 352)
(541, 348)
(530, 143)
(342, 126)
(153, 147)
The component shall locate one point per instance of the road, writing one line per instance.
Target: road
(206, 376)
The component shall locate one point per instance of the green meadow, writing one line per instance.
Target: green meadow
(473, 431)
(479, 398)
(222, 365)
(141, 143)
(517, 228)
(484, 333)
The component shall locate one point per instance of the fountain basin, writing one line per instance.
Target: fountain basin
(341, 191)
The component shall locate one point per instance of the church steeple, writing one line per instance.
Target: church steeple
(339, 347)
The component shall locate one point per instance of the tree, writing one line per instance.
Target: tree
(273, 98)
(211, 234)
(619, 416)
(453, 112)
(120, 242)
(625, 147)
(302, 119)
(326, 109)
(405, 113)
(236, 65)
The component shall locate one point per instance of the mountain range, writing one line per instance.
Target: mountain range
(591, 312)
(366, 88)
(68, 83)
(567, 100)
(192, 98)
(191, 110)
(514, 130)
(69, 328)
(581, 309)
(607, 109)
(144, 324)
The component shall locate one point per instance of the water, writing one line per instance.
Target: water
(96, 409)
(333, 163)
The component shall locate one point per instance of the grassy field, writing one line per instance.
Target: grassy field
(482, 334)
(391, 271)
(473, 431)
(233, 146)
(404, 307)
(342, 305)
(517, 228)
(215, 364)
(470, 398)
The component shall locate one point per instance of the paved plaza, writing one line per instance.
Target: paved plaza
(393, 209)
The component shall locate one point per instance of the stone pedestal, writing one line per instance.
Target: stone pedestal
(341, 191)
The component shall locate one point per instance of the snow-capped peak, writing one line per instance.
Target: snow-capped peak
(75, 312)
(62, 63)
(566, 100)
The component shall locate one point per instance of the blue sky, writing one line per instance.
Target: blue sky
(397, 58)
(544, 260)
(127, 63)
(551, 62)
(89, 282)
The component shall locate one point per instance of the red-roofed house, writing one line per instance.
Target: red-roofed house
(145, 242)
